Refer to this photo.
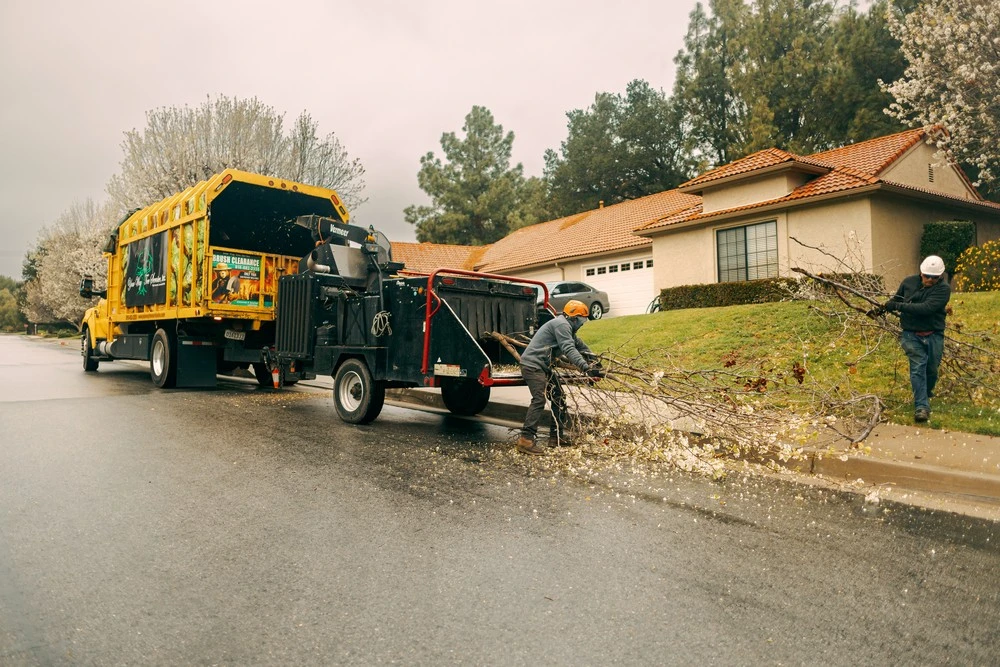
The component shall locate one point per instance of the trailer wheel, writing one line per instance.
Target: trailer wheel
(87, 350)
(465, 397)
(163, 359)
(358, 397)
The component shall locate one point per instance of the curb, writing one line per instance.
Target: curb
(922, 477)
(916, 477)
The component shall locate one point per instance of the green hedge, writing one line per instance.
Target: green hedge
(947, 240)
(728, 294)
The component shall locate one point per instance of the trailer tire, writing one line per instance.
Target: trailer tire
(359, 398)
(87, 350)
(465, 397)
(163, 359)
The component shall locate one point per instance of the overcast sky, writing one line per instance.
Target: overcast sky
(387, 77)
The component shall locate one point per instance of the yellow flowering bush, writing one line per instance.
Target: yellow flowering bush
(978, 268)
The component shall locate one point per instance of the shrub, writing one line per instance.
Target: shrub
(978, 269)
(947, 240)
(728, 294)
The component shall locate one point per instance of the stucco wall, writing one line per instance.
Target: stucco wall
(839, 230)
(752, 191)
(898, 223)
(912, 169)
(684, 258)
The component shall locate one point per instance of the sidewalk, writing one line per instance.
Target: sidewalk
(901, 457)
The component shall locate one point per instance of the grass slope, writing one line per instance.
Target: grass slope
(850, 357)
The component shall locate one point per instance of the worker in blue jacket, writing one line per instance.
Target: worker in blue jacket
(556, 338)
(921, 302)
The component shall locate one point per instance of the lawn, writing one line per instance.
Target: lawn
(850, 355)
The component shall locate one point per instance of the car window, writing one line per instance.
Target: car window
(558, 289)
(578, 287)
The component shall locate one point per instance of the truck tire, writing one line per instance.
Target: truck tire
(163, 359)
(358, 397)
(465, 397)
(87, 350)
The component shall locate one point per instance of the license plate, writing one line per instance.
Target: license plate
(236, 335)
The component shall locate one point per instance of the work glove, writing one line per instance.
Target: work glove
(596, 372)
(876, 312)
(890, 306)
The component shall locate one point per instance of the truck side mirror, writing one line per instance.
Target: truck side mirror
(87, 288)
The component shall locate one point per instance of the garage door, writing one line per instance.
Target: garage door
(628, 282)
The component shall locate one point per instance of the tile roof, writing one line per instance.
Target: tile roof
(851, 167)
(593, 232)
(759, 160)
(872, 156)
(424, 258)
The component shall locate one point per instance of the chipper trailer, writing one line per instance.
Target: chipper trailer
(349, 314)
(244, 270)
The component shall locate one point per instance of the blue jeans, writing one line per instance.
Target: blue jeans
(924, 353)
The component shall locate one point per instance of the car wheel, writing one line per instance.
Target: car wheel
(596, 310)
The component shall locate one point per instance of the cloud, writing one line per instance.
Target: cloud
(389, 78)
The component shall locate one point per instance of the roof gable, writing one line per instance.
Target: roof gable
(850, 168)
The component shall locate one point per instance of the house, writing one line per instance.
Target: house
(864, 204)
(596, 247)
(424, 258)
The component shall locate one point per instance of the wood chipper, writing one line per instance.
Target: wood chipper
(350, 315)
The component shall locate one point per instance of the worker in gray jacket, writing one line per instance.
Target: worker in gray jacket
(922, 304)
(556, 338)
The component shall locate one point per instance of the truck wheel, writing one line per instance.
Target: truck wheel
(465, 397)
(358, 397)
(87, 350)
(163, 360)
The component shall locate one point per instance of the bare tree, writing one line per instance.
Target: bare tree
(181, 146)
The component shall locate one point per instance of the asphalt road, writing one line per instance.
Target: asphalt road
(243, 526)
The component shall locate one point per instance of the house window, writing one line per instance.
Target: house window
(626, 266)
(637, 265)
(649, 263)
(601, 270)
(747, 253)
(590, 272)
(613, 268)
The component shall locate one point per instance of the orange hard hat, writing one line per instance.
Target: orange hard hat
(576, 308)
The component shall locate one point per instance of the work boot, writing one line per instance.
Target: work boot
(555, 440)
(921, 415)
(529, 446)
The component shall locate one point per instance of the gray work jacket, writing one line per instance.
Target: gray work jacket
(555, 338)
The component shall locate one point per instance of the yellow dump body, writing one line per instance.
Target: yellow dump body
(214, 250)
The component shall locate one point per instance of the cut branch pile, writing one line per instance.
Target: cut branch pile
(650, 409)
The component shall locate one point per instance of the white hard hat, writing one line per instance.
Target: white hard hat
(932, 266)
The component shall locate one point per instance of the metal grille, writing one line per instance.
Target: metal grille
(295, 316)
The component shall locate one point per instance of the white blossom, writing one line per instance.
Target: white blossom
(953, 78)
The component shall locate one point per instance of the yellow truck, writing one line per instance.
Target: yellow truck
(192, 280)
